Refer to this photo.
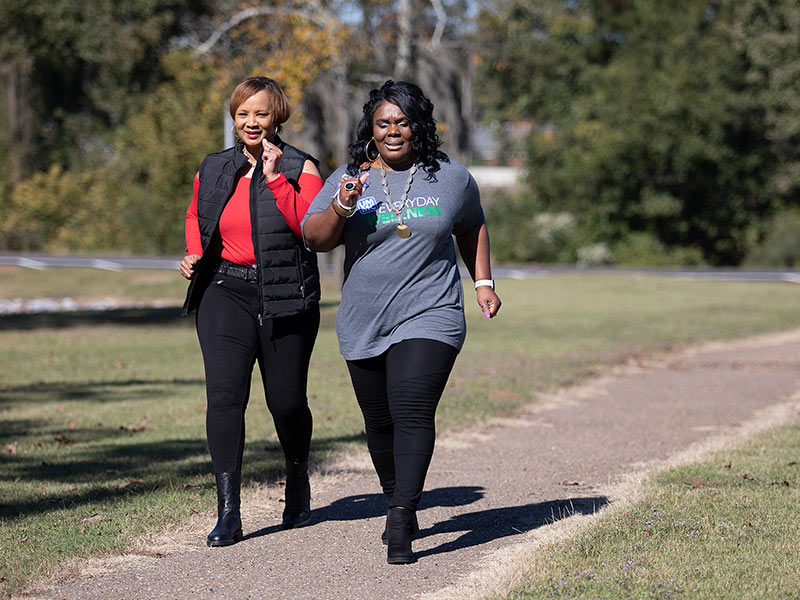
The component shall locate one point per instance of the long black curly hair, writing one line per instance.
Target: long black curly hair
(419, 111)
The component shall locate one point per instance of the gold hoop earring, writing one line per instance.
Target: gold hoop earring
(366, 151)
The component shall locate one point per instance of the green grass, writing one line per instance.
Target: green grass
(85, 285)
(102, 422)
(725, 527)
(92, 284)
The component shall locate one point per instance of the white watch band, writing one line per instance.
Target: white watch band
(486, 282)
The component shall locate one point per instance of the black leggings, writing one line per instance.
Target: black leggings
(232, 341)
(398, 392)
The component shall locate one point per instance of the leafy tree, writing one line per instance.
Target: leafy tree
(117, 103)
(75, 69)
(767, 33)
(532, 54)
(159, 151)
(139, 117)
(663, 135)
(780, 247)
(63, 211)
(134, 202)
(423, 41)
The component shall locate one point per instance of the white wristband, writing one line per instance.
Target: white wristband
(349, 209)
(486, 282)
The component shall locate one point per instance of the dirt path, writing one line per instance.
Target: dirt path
(491, 496)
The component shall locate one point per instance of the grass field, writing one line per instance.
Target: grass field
(725, 527)
(102, 416)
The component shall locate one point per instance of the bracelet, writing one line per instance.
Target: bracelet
(486, 282)
(340, 209)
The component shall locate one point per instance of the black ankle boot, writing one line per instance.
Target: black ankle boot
(414, 528)
(399, 524)
(228, 529)
(298, 495)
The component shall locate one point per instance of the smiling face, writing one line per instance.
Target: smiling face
(255, 121)
(392, 132)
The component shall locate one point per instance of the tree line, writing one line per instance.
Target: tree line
(662, 133)
(657, 133)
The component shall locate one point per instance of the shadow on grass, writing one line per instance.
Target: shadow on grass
(170, 315)
(95, 391)
(101, 473)
(55, 466)
(78, 318)
(111, 469)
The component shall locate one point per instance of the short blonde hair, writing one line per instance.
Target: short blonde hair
(279, 103)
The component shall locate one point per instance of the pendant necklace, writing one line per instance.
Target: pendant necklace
(403, 230)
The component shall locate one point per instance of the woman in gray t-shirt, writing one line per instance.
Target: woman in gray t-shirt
(401, 318)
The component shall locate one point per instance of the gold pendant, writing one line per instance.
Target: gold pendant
(403, 231)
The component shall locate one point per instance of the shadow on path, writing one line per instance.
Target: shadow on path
(366, 506)
(479, 527)
(488, 525)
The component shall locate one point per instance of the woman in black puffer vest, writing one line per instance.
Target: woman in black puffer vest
(256, 291)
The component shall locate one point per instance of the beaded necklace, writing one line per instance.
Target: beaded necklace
(403, 230)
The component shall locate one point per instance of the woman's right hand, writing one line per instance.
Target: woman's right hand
(349, 197)
(187, 265)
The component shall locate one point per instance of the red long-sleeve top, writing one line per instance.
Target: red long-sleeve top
(234, 224)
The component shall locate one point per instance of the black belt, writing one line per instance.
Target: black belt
(246, 272)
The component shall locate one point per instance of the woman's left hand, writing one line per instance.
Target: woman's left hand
(271, 160)
(488, 301)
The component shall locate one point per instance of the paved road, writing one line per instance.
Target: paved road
(36, 261)
(110, 263)
(490, 492)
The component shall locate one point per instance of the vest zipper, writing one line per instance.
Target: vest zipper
(255, 236)
(298, 257)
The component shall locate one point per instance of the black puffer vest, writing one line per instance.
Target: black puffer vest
(288, 277)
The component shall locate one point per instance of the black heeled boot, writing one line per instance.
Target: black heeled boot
(414, 528)
(298, 495)
(398, 534)
(228, 529)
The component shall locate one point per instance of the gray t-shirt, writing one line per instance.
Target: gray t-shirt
(396, 289)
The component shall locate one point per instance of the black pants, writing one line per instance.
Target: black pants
(232, 341)
(398, 392)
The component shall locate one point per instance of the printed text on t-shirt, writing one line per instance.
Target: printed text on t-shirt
(415, 208)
